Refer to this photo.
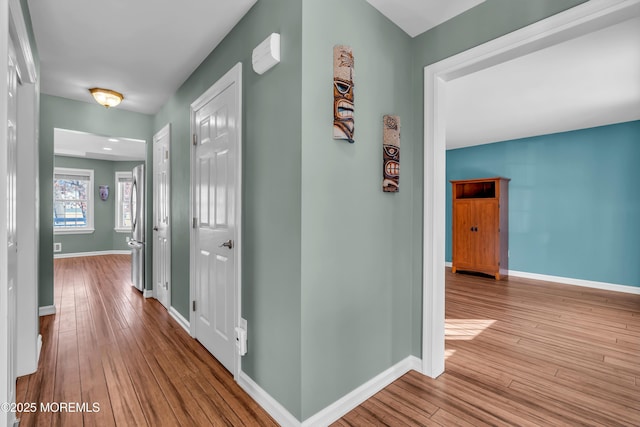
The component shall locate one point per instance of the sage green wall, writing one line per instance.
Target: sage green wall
(357, 273)
(271, 193)
(56, 112)
(487, 21)
(105, 238)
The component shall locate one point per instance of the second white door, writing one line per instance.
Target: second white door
(161, 224)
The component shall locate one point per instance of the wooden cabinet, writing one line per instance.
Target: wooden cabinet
(480, 234)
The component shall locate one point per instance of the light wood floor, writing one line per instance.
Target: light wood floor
(523, 353)
(520, 352)
(109, 345)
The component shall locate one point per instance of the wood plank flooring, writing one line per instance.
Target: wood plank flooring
(109, 345)
(520, 352)
(526, 353)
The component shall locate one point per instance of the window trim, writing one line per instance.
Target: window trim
(118, 201)
(89, 228)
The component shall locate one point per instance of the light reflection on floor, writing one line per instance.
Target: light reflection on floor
(465, 329)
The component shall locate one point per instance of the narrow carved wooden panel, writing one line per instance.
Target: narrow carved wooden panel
(391, 154)
(343, 123)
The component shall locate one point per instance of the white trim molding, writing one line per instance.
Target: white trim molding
(147, 293)
(341, 407)
(635, 290)
(180, 319)
(577, 282)
(95, 253)
(575, 22)
(268, 403)
(18, 30)
(337, 409)
(47, 310)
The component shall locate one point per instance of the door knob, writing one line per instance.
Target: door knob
(155, 228)
(227, 244)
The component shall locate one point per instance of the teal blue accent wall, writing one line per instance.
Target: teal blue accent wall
(357, 272)
(574, 202)
(56, 112)
(487, 21)
(271, 193)
(105, 238)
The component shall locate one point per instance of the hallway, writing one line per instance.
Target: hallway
(519, 352)
(110, 346)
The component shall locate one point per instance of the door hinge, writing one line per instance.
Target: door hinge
(166, 155)
(193, 305)
(195, 139)
(166, 285)
(195, 222)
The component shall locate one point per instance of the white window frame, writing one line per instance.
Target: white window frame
(119, 200)
(89, 228)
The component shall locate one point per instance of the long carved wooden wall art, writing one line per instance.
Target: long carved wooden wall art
(343, 124)
(391, 154)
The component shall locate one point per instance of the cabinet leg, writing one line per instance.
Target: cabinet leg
(453, 269)
(497, 276)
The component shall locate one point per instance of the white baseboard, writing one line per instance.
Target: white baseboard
(578, 282)
(147, 293)
(39, 349)
(341, 407)
(268, 403)
(47, 310)
(575, 282)
(96, 253)
(337, 409)
(180, 319)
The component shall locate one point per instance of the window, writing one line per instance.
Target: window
(124, 181)
(72, 201)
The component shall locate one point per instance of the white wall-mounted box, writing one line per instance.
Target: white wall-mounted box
(266, 54)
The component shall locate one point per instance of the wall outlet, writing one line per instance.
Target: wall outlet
(127, 238)
(57, 247)
(241, 337)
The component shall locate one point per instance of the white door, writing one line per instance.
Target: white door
(161, 230)
(8, 352)
(216, 125)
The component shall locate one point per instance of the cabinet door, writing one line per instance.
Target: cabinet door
(463, 237)
(487, 237)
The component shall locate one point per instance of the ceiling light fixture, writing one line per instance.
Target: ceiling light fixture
(106, 97)
(107, 148)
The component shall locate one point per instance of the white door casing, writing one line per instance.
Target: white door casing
(216, 233)
(579, 20)
(161, 217)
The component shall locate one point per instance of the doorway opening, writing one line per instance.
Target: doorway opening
(580, 20)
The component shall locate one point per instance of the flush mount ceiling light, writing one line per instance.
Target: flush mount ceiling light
(106, 97)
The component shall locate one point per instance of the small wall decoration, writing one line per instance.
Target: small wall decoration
(343, 125)
(391, 154)
(104, 192)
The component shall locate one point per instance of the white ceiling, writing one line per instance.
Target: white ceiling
(144, 49)
(145, 54)
(72, 143)
(590, 81)
(417, 16)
